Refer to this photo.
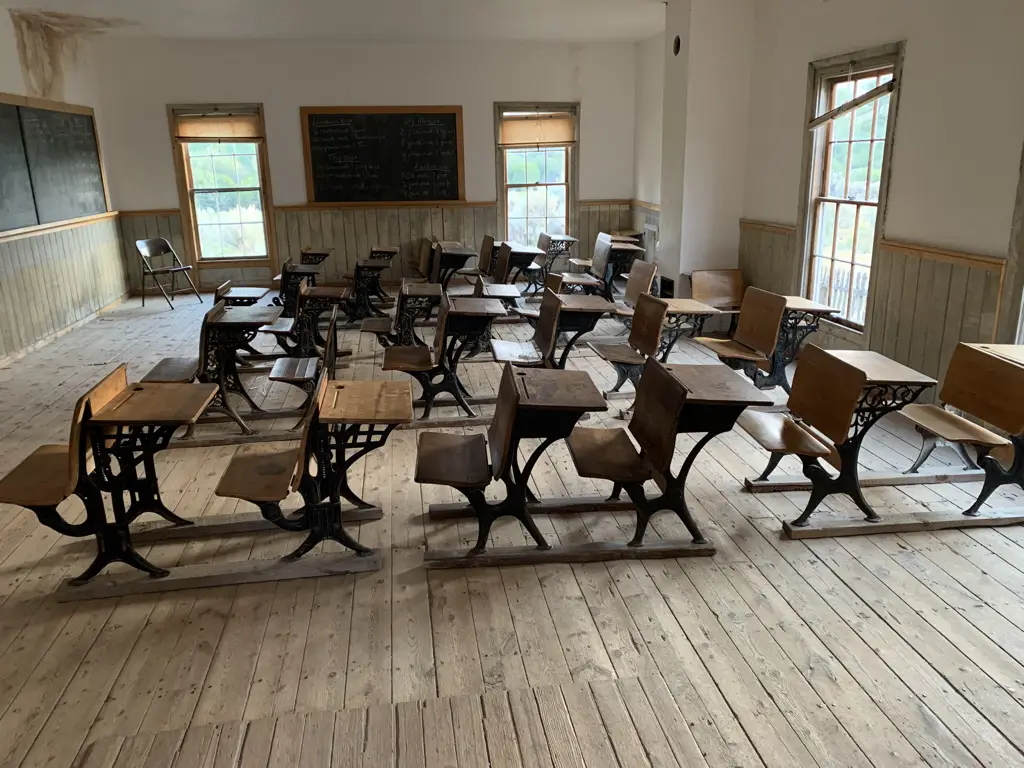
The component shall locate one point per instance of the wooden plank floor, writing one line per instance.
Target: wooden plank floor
(892, 650)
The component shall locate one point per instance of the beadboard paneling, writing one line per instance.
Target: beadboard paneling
(143, 225)
(56, 279)
(598, 216)
(646, 218)
(923, 299)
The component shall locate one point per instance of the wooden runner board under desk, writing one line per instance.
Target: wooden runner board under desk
(161, 404)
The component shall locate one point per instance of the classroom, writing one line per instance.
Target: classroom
(490, 384)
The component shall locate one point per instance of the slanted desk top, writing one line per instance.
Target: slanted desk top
(555, 390)
(879, 369)
(374, 263)
(304, 269)
(1012, 352)
(422, 290)
(717, 385)
(689, 307)
(246, 293)
(520, 248)
(477, 306)
(576, 303)
(367, 402)
(156, 404)
(501, 291)
(243, 317)
(563, 239)
(455, 248)
(800, 304)
(624, 246)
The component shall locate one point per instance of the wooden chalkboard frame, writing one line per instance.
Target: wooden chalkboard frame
(73, 109)
(305, 112)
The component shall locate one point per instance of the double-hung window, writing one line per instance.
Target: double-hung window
(848, 176)
(536, 155)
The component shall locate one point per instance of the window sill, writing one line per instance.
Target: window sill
(227, 262)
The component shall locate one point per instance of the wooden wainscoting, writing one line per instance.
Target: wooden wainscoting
(143, 225)
(56, 279)
(647, 219)
(600, 216)
(766, 254)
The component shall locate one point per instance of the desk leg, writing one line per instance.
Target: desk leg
(674, 330)
(219, 368)
(876, 402)
(564, 358)
(996, 476)
(796, 326)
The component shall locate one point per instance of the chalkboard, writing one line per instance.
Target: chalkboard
(49, 167)
(17, 208)
(383, 154)
(64, 164)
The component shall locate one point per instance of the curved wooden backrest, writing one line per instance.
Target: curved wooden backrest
(204, 331)
(442, 320)
(660, 398)
(553, 282)
(331, 347)
(499, 433)
(309, 424)
(602, 252)
(426, 248)
(544, 242)
(985, 387)
(648, 317)
(287, 266)
(546, 331)
(486, 254)
(719, 288)
(89, 403)
(825, 393)
(501, 268)
(221, 291)
(435, 263)
(640, 280)
(759, 320)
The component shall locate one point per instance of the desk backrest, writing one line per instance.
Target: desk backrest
(222, 291)
(825, 393)
(648, 317)
(546, 331)
(660, 398)
(435, 263)
(426, 249)
(544, 242)
(502, 268)
(602, 252)
(760, 318)
(331, 347)
(442, 320)
(310, 421)
(985, 387)
(92, 401)
(553, 282)
(204, 331)
(499, 433)
(640, 280)
(486, 254)
(719, 288)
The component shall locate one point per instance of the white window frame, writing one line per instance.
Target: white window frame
(820, 76)
(572, 155)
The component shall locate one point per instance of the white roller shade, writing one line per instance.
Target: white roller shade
(542, 129)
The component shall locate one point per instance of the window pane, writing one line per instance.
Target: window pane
(863, 118)
(203, 176)
(249, 206)
(837, 170)
(555, 173)
(841, 127)
(537, 201)
(865, 84)
(819, 280)
(517, 230)
(885, 78)
(254, 241)
(207, 211)
(533, 230)
(516, 202)
(209, 241)
(865, 234)
(877, 153)
(840, 285)
(231, 239)
(556, 201)
(826, 228)
(859, 304)
(555, 227)
(200, 150)
(222, 148)
(246, 148)
(534, 166)
(883, 117)
(842, 94)
(224, 170)
(248, 171)
(858, 187)
(227, 205)
(844, 232)
(515, 167)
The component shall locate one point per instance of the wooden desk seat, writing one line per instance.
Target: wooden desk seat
(582, 264)
(540, 350)
(175, 370)
(826, 392)
(607, 454)
(639, 281)
(507, 294)
(377, 325)
(757, 332)
(303, 372)
(458, 461)
(579, 280)
(238, 297)
(530, 313)
(977, 386)
(407, 359)
(483, 267)
(644, 340)
(266, 479)
(40, 480)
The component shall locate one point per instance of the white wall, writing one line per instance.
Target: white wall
(141, 76)
(717, 119)
(650, 84)
(79, 85)
(961, 115)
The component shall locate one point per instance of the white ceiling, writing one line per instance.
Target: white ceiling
(377, 20)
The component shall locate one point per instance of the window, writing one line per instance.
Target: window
(850, 130)
(536, 149)
(223, 173)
